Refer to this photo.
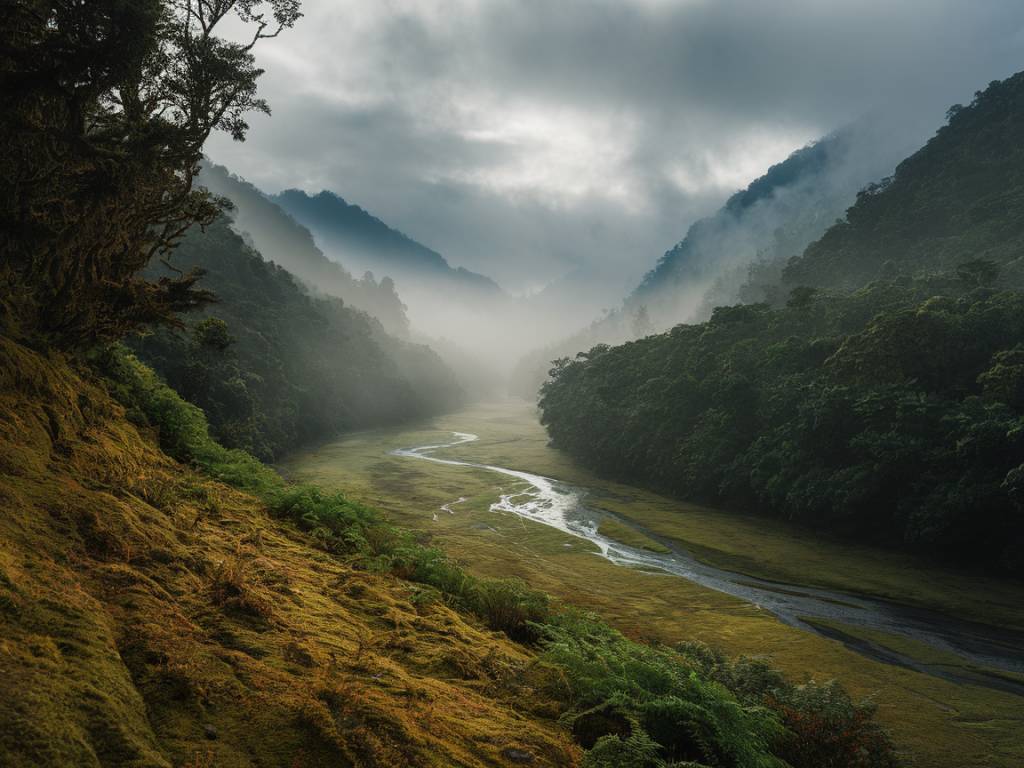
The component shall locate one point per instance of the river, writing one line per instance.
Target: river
(987, 650)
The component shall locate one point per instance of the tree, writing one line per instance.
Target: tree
(104, 109)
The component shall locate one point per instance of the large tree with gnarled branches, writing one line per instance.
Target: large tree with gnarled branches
(104, 109)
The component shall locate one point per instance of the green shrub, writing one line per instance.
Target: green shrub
(510, 606)
(334, 520)
(689, 718)
(431, 566)
(181, 427)
(823, 725)
(635, 751)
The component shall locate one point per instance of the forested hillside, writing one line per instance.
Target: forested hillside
(282, 240)
(738, 253)
(961, 197)
(774, 218)
(274, 367)
(892, 412)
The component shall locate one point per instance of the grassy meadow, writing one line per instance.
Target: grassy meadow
(936, 723)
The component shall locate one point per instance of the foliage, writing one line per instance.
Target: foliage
(274, 367)
(104, 108)
(888, 414)
(823, 725)
(891, 413)
(182, 429)
(653, 707)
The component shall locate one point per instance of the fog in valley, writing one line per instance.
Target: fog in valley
(537, 174)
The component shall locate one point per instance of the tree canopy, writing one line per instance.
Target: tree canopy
(880, 399)
(104, 109)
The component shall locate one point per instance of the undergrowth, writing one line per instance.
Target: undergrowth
(629, 704)
(338, 524)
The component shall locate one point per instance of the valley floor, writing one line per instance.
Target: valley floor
(936, 722)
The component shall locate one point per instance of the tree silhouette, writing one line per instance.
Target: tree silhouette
(104, 108)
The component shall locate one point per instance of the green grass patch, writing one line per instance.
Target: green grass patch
(933, 720)
(623, 534)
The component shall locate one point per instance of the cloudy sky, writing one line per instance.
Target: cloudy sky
(527, 139)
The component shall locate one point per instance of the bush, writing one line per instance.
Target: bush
(181, 427)
(658, 691)
(636, 751)
(823, 725)
(510, 606)
(336, 522)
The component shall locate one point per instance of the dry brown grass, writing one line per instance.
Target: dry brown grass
(153, 618)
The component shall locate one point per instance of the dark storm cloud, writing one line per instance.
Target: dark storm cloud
(526, 138)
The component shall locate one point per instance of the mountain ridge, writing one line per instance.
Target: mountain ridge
(280, 238)
(362, 238)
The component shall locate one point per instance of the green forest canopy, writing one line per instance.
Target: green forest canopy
(883, 401)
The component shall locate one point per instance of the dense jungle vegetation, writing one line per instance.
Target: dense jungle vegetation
(274, 367)
(882, 400)
(167, 600)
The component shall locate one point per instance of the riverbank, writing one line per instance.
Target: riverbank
(942, 723)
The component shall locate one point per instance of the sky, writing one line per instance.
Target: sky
(534, 139)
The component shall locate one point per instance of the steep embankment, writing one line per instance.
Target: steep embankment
(153, 617)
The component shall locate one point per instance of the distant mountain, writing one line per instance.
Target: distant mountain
(774, 218)
(281, 239)
(361, 241)
(738, 254)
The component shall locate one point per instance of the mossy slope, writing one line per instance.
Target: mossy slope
(152, 617)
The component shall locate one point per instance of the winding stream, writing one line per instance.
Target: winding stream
(563, 506)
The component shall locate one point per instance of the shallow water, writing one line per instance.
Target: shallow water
(562, 506)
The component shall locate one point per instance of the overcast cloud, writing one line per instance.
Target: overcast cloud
(528, 138)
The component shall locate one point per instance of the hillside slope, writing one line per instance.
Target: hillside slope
(775, 217)
(960, 197)
(282, 240)
(153, 617)
(278, 367)
(892, 412)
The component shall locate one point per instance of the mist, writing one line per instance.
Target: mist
(559, 151)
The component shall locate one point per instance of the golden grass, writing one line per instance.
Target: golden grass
(623, 534)
(151, 617)
(938, 723)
